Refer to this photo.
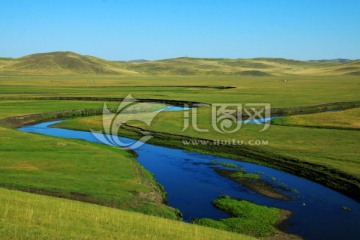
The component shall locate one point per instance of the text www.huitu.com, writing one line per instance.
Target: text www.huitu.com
(225, 142)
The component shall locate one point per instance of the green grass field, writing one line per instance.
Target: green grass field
(11, 108)
(347, 119)
(30, 216)
(297, 91)
(78, 170)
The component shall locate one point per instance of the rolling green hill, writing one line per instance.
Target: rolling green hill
(65, 63)
(62, 63)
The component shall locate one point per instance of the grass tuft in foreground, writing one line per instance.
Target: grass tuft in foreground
(246, 217)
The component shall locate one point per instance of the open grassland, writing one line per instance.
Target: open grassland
(296, 91)
(78, 170)
(347, 119)
(29, 216)
(11, 108)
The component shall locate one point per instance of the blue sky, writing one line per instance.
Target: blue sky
(158, 29)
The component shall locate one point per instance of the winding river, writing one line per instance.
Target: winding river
(191, 184)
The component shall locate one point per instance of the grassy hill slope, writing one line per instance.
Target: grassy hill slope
(63, 63)
(30, 216)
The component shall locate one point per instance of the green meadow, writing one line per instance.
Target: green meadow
(78, 170)
(51, 185)
(347, 119)
(296, 91)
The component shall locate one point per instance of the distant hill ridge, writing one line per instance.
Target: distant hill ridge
(74, 63)
(342, 60)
